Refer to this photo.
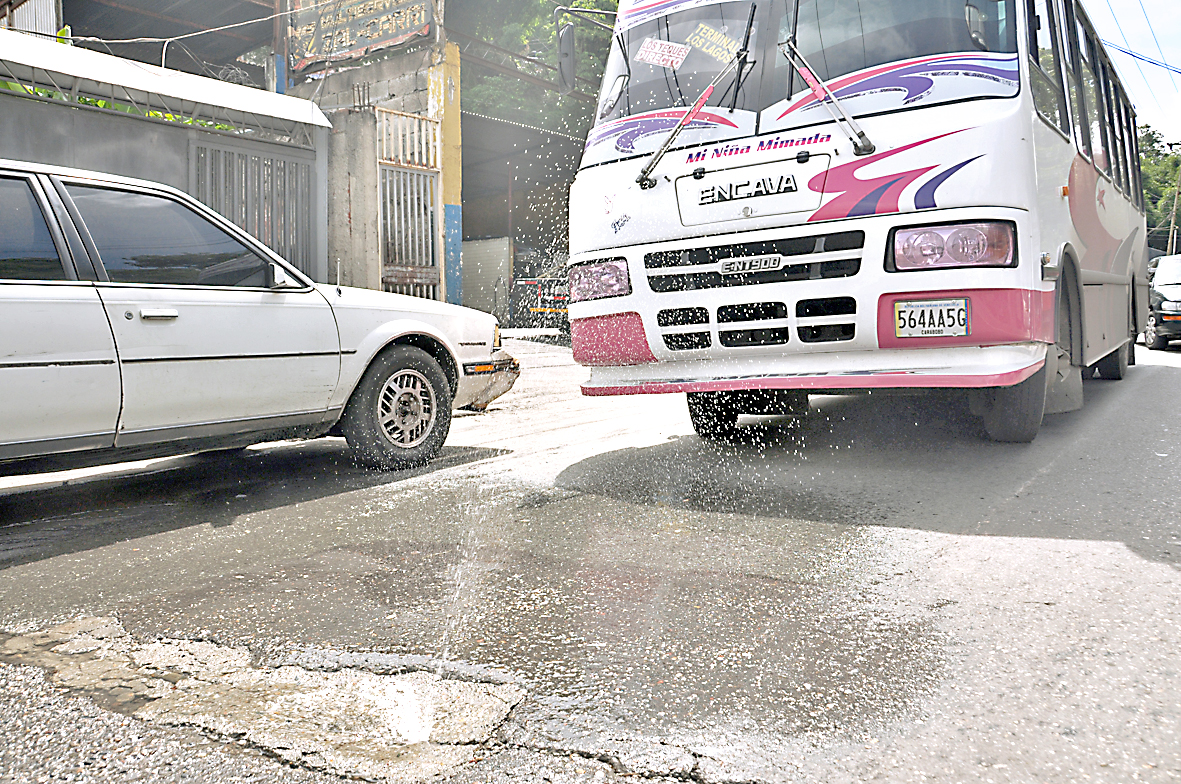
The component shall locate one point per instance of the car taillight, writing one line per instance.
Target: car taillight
(599, 280)
(958, 245)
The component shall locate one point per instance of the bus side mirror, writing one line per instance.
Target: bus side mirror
(567, 60)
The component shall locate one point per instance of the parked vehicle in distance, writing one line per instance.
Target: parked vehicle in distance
(136, 322)
(1164, 304)
(540, 302)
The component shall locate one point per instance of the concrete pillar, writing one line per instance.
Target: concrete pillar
(445, 106)
(354, 238)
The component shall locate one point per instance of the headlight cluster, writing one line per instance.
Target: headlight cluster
(958, 245)
(599, 280)
(1171, 307)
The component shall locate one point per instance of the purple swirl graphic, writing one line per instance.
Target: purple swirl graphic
(627, 132)
(917, 79)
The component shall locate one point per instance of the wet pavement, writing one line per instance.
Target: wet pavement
(868, 592)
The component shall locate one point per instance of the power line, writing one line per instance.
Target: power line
(1138, 68)
(1152, 30)
(147, 40)
(1143, 57)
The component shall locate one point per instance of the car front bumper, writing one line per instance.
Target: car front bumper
(495, 378)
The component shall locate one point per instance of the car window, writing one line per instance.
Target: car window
(27, 251)
(151, 239)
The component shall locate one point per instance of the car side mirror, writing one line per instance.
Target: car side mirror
(567, 60)
(278, 278)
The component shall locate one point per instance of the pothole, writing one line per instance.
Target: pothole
(405, 727)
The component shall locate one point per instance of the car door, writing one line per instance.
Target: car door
(205, 347)
(59, 378)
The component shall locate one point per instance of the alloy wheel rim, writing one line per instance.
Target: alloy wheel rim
(406, 409)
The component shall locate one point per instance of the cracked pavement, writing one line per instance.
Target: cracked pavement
(582, 590)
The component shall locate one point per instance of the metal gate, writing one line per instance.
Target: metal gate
(266, 194)
(411, 204)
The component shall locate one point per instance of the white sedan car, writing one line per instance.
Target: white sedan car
(136, 322)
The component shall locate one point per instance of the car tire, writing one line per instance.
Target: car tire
(1014, 414)
(713, 415)
(1153, 339)
(400, 413)
(1114, 366)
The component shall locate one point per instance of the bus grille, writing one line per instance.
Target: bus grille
(804, 258)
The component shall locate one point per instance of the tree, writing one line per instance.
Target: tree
(1160, 167)
(526, 27)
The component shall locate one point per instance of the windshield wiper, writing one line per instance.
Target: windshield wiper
(738, 60)
(861, 143)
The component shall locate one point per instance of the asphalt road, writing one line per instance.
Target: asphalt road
(869, 592)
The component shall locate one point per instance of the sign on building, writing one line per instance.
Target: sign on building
(341, 31)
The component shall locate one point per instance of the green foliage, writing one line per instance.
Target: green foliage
(1160, 167)
(526, 27)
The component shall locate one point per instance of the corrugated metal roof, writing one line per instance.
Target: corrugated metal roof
(91, 73)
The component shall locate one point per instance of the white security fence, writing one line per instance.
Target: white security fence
(410, 160)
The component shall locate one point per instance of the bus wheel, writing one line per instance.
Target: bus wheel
(1014, 414)
(1114, 366)
(713, 414)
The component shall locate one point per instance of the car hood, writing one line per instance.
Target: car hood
(368, 299)
(1170, 291)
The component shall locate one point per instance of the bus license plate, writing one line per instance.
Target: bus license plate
(945, 318)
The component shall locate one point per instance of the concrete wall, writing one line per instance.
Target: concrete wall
(401, 82)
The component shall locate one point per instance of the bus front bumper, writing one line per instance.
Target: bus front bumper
(959, 367)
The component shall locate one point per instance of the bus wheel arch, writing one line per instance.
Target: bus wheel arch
(1069, 297)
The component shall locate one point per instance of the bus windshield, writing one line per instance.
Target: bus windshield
(664, 62)
(667, 62)
(842, 36)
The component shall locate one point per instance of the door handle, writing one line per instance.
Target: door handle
(158, 314)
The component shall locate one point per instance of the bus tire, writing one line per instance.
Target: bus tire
(713, 415)
(1014, 414)
(1114, 366)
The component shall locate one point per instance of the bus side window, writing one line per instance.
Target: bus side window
(1045, 64)
(1134, 144)
(1079, 109)
(1119, 163)
(1129, 144)
(1100, 143)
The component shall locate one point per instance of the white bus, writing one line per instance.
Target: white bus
(874, 194)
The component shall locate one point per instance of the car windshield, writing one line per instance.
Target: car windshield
(1168, 272)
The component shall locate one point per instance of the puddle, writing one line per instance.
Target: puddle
(406, 726)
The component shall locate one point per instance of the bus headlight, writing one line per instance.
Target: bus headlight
(957, 245)
(599, 280)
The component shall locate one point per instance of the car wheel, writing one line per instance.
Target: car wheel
(713, 415)
(1114, 366)
(1152, 338)
(400, 413)
(1014, 414)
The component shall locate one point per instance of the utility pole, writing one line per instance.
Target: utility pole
(1173, 220)
(279, 47)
